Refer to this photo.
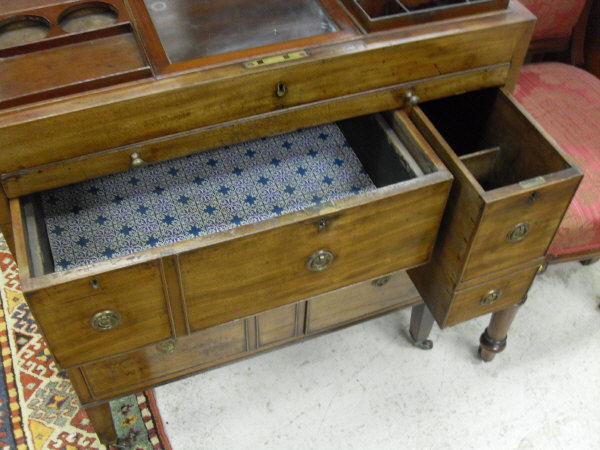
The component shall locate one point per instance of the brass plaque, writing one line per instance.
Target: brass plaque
(277, 59)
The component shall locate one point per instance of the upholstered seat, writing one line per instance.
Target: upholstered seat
(565, 100)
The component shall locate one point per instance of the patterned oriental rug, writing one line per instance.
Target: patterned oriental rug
(38, 406)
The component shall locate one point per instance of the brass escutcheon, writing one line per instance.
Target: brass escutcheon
(105, 320)
(281, 89)
(518, 232)
(167, 347)
(320, 260)
(491, 297)
(380, 282)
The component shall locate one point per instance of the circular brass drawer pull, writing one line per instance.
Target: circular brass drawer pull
(320, 260)
(167, 347)
(105, 320)
(518, 232)
(491, 297)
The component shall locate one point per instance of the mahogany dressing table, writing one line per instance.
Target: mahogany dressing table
(462, 196)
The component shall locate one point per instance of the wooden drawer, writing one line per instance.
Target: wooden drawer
(153, 363)
(68, 312)
(223, 276)
(359, 301)
(512, 183)
(489, 296)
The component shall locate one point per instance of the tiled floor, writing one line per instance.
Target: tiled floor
(366, 387)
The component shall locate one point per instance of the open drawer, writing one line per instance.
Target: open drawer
(512, 187)
(120, 298)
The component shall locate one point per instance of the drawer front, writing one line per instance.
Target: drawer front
(278, 325)
(152, 364)
(489, 297)
(359, 301)
(518, 228)
(74, 316)
(244, 276)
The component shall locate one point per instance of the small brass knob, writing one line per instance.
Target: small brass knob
(491, 297)
(105, 320)
(319, 261)
(281, 89)
(412, 99)
(167, 347)
(380, 282)
(518, 232)
(136, 160)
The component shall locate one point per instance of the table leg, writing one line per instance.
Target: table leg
(493, 339)
(101, 419)
(421, 322)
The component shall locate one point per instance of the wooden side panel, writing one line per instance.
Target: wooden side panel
(467, 303)
(64, 313)
(6, 222)
(149, 365)
(359, 301)
(266, 270)
(279, 324)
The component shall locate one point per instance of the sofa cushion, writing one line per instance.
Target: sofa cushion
(556, 18)
(565, 100)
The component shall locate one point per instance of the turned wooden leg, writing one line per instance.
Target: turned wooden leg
(421, 322)
(102, 422)
(493, 339)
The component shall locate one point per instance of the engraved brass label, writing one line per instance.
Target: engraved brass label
(491, 297)
(532, 182)
(320, 260)
(105, 320)
(518, 232)
(276, 59)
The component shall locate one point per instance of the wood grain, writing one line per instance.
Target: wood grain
(212, 96)
(64, 313)
(358, 301)
(266, 270)
(279, 324)
(79, 169)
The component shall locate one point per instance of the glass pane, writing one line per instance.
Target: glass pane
(190, 29)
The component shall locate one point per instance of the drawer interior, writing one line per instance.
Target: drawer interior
(220, 189)
(493, 139)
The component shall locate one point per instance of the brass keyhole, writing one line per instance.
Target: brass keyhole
(319, 261)
(281, 89)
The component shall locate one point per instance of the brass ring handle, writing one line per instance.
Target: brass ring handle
(136, 160)
(319, 261)
(105, 320)
(167, 347)
(411, 98)
(518, 232)
(491, 297)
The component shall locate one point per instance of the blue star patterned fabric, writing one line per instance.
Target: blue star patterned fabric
(199, 194)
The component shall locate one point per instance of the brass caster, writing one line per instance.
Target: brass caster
(425, 344)
(121, 444)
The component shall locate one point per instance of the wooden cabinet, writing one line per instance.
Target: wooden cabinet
(121, 93)
(512, 187)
